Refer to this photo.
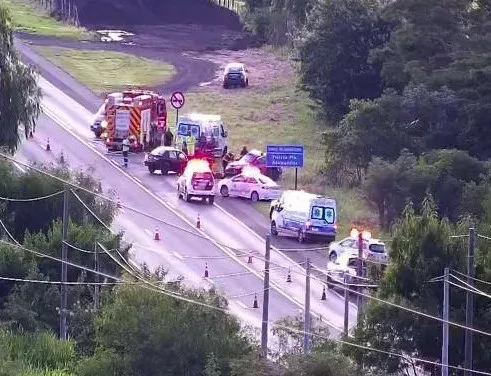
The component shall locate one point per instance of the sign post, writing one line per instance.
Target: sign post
(177, 101)
(286, 156)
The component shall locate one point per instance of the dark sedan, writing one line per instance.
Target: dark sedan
(256, 159)
(166, 159)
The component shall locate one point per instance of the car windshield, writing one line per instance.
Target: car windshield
(323, 213)
(185, 129)
(377, 248)
(202, 176)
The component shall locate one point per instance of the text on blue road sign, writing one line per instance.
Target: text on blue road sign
(285, 156)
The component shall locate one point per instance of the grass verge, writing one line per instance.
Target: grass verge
(29, 17)
(283, 115)
(105, 71)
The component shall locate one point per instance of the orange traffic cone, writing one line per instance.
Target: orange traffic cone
(119, 203)
(206, 270)
(249, 259)
(255, 305)
(198, 222)
(323, 297)
(157, 235)
(48, 147)
(289, 277)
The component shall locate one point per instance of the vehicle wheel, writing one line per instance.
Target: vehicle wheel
(178, 192)
(274, 230)
(98, 133)
(211, 200)
(254, 196)
(271, 213)
(330, 284)
(151, 170)
(186, 196)
(225, 86)
(224, 191)
(333, 256)
(301, 236)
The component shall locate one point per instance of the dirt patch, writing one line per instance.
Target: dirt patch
(266, 71)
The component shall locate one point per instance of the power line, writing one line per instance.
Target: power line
(8, 232)
(40, 198)
(473, 278)
(23, 280)
(180, 297)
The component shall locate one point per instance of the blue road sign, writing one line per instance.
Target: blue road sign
(285, 156)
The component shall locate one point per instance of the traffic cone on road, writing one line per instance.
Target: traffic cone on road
(323, 297)
(156, 236)
(289, 277)
(118, 204)
(206, 270)
(48, 147)
(255, 305)
(198, 222)
(249, 259)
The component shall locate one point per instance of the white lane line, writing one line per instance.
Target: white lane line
(242, 304)
(164, 203)
(122, 211)
(177, 255)
(148, 232)
(209, 280)
(138, 180)
(19, 167)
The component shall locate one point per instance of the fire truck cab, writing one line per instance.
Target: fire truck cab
(140, 115)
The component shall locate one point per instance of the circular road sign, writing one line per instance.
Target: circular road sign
(177, 100)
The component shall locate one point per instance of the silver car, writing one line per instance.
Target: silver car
(373, 249)
(344, 267)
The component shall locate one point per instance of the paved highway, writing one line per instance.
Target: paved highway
(67, 128)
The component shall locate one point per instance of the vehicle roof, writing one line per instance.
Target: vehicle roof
(255, 152)
(306, 195)
(234, 65)
(198, 117)
(370, 241)
(164, 148)
(267, 179)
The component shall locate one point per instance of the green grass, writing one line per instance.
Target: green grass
(283, 115)
(29, 17)
(104, 71)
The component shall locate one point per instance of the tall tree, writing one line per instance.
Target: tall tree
(19, 94)
(334, 49)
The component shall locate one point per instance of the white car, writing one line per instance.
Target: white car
(257, 187)
(196, 184)
(373, 249)
(235, 74)
(345, 266)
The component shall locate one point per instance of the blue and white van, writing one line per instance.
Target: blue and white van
(304, 215)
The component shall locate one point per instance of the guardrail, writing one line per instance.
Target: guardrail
(234, 5)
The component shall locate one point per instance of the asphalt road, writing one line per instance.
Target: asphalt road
(66, 126)
(179, 251)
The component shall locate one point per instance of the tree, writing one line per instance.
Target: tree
(421, 248)
(212, 368)
(333, 51)
(154, 334)
(19, 94)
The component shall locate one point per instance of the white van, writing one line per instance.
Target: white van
(304, 215)
(208, 130)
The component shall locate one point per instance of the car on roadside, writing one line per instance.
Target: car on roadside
(343, 270)
(253, 158)
(256, 187)
(234, 75)
(373, 249)
(165, 159)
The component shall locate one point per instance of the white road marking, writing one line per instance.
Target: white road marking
(175, 254)
(138, 180)
(122, 211)
(171, 205)
(242, 304)
(19, 167)
(148, 232)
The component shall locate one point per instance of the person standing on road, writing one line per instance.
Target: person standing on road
(185, 148)
(191, 143)
(126, 150)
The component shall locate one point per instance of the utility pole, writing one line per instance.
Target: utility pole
(469, 301)
(359, 273)
(446, 307)
(306, 338)
(264, 328)
(346, 305)
(64, 287)
(96, 267)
